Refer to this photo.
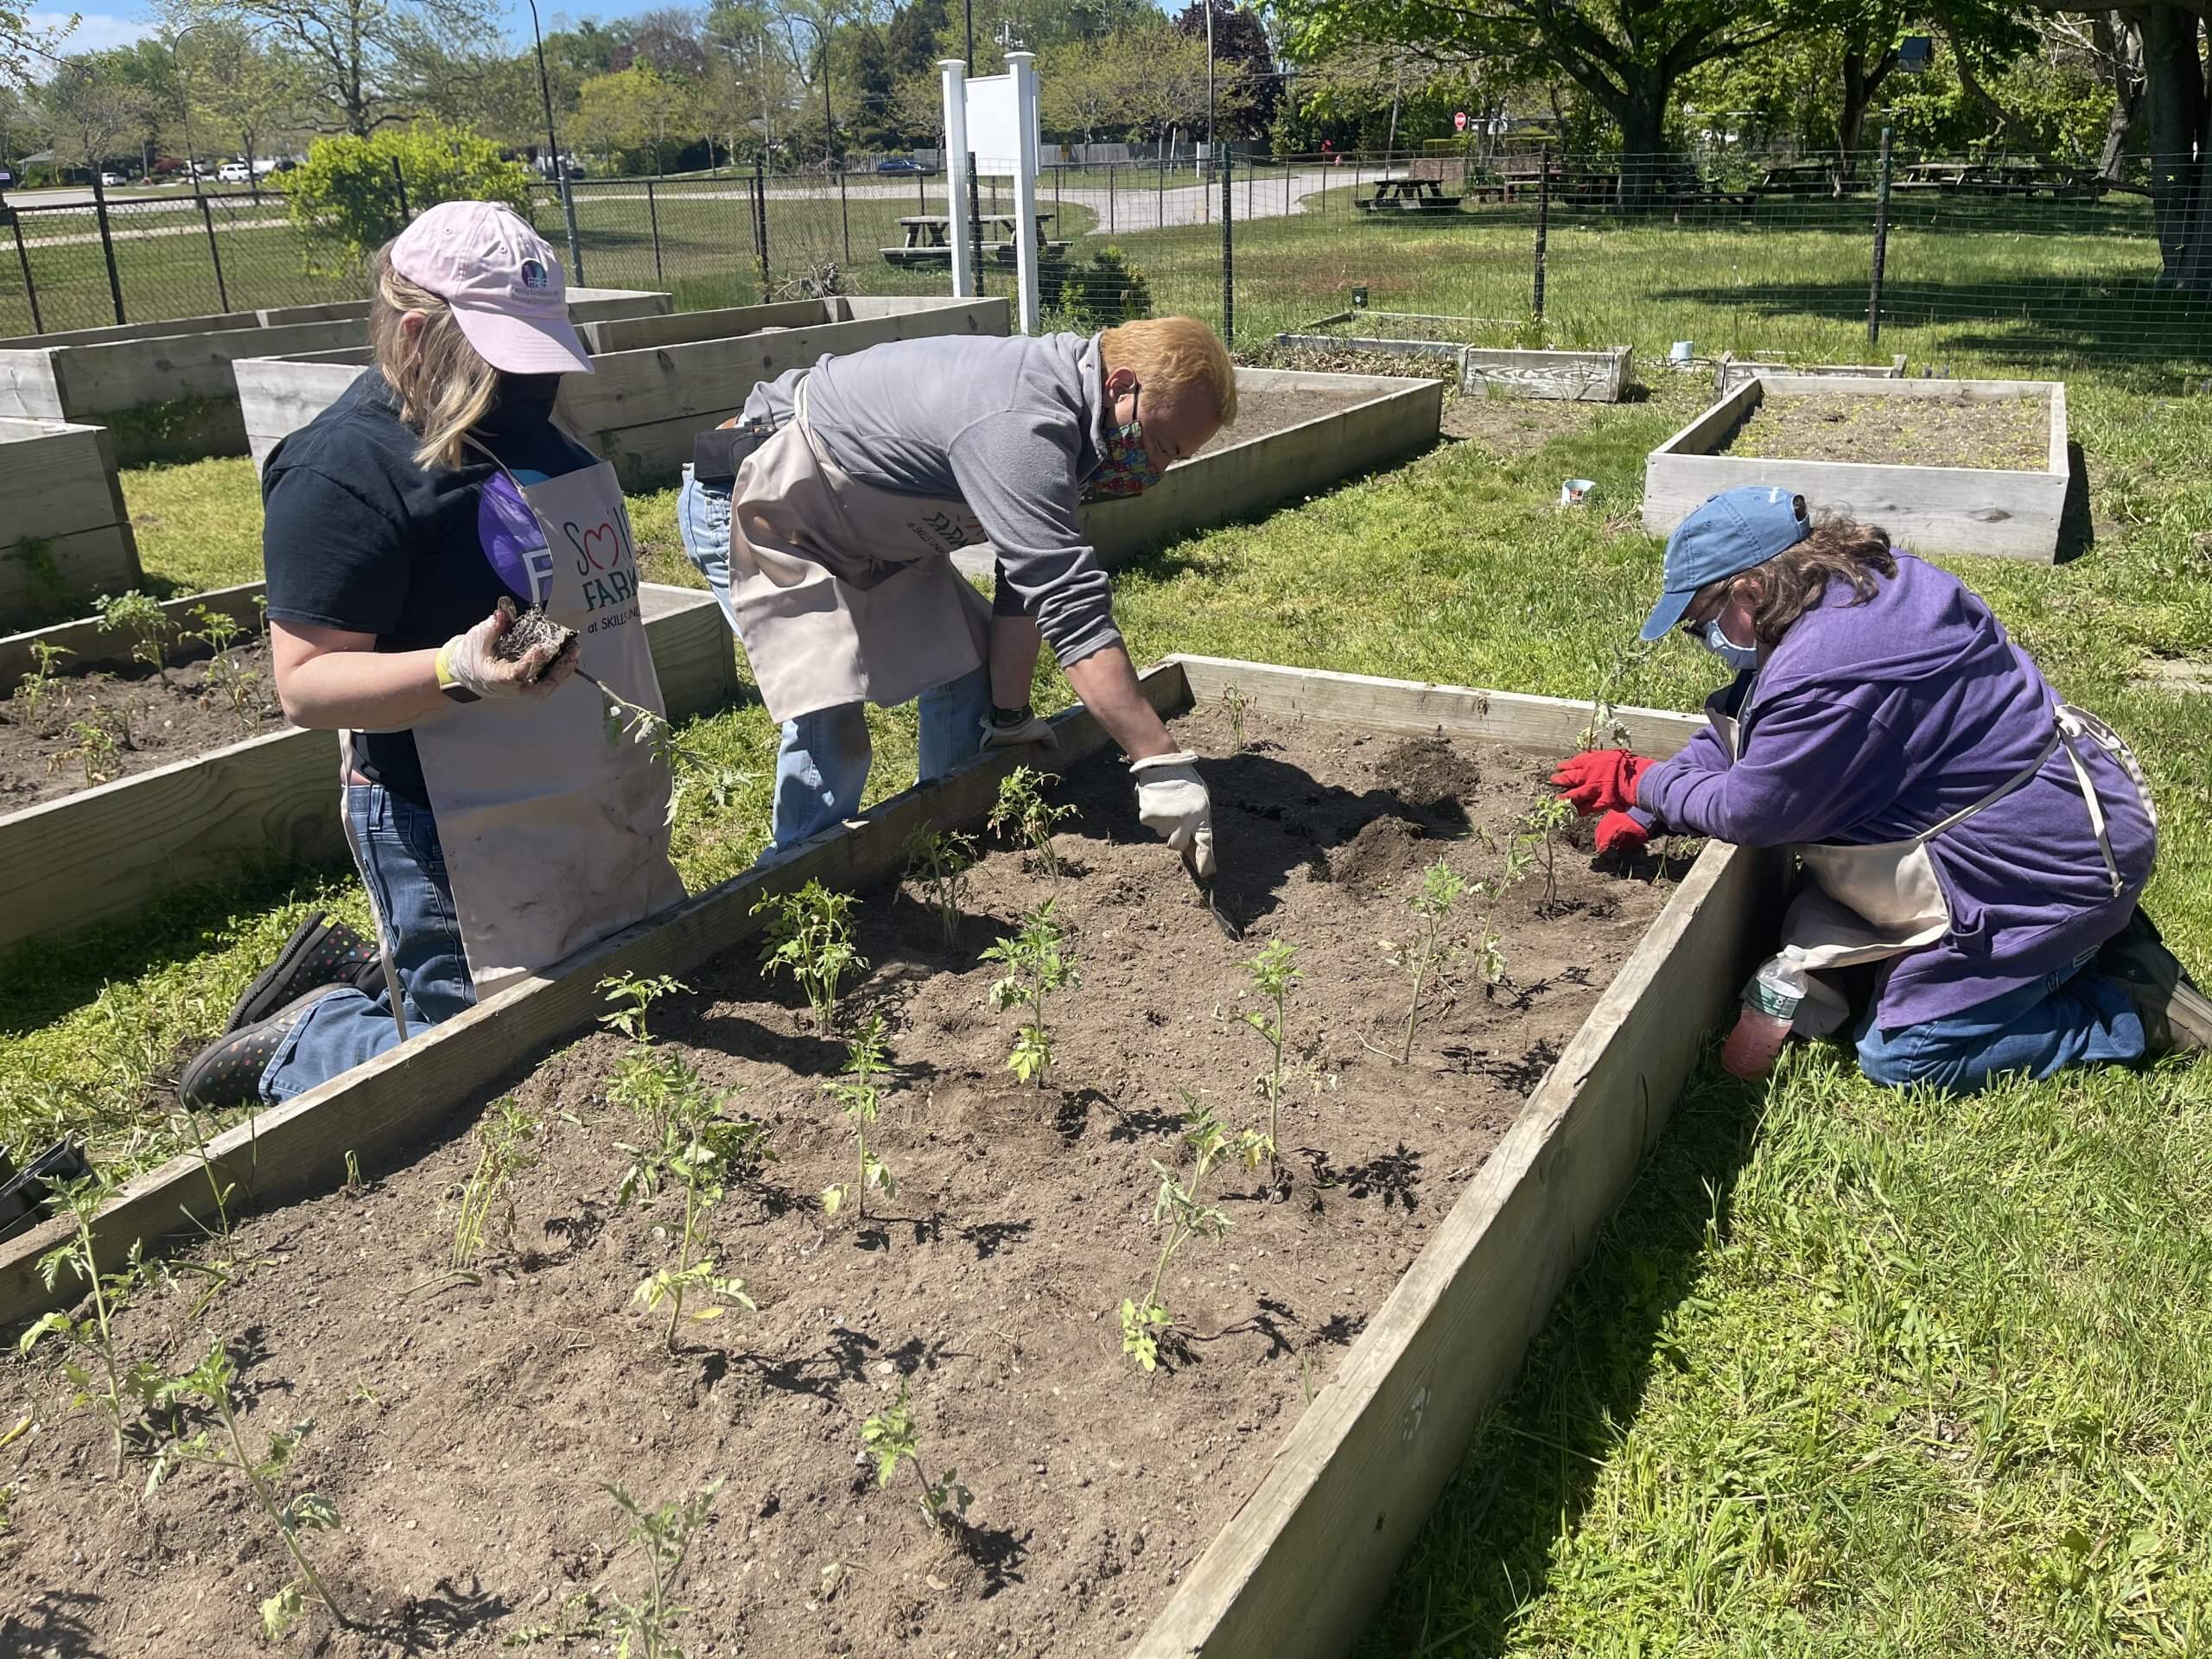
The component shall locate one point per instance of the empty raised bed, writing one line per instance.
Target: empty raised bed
(655, 383)
(164, 389)
(1588, 377)
(1328, 1356)
(68, 533)
(103, 850)
(1945, 466)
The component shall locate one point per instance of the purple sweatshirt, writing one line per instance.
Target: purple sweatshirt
(1871, 722)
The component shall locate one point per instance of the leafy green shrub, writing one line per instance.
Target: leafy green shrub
(1082, 297)
(345, 198)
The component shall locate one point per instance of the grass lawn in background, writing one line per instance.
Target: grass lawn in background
(1852, 1372)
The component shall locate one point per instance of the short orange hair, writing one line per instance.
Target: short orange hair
(1172, 357)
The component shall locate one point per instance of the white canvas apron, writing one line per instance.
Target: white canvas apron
(1869, 902)
(842, 592)
(555, 837)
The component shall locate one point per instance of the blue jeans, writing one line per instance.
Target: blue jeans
(821, 765)
(405, 869)
(2066, 1018)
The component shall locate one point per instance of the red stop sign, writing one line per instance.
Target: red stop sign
(1459, 120)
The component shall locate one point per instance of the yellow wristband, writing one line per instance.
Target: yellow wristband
(449, 681)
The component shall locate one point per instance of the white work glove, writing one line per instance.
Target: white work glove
(1035, 729)
(468, 661)
(1174, 802)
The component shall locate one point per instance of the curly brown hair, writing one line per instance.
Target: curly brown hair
(1794, 582)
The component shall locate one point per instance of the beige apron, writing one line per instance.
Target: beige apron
(1868, 904)
(555, 837)
(842, 592)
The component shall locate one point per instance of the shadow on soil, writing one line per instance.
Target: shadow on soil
(1526, 1476)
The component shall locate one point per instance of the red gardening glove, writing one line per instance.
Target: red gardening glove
(1618, 833)
(1600, 780)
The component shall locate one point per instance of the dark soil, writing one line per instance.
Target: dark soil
(1259, 413)
(2012, 433)
(43, 744)
(465, 1430)
(526, 631)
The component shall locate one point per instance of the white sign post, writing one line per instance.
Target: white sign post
(1000, 127)
(955, 172)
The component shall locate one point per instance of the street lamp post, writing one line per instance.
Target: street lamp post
(822, 73)
(553, 149)
(184, 92)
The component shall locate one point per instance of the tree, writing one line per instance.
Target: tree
(1242, 54)
(1626, 55)
(362, 60)
(635, 109)
(343, 198)
(92, 116)
(242, 93)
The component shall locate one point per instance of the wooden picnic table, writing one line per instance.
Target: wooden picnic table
(927, 239)
(931, 230)
(1409, 196)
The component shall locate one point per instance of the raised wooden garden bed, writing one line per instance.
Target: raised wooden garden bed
(1296, 434)
(165, 388)
(655, 383)
(1597, 376)
(68, 537)
(2011, 511)
(1252, 1497)
(103, 852)
(90, 642)
(1731, 371)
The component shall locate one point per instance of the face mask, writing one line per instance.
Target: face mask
(1126, 468)
(528, 396)
(1740, 657)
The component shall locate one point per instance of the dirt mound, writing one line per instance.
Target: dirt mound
(1426, 773)
(1381, 855)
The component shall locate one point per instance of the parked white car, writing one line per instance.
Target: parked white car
(235, 173)
(112, 179)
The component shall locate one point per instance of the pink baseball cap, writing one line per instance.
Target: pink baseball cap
(506, 289)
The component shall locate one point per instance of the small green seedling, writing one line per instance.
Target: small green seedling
(1606, 729)
(1425, 953)
(148, 626)
(33, 690)
(208, 1385)
(218, 630)
(1490, 955)
(1274, 972)
(1038, 963)
(811, 937)
(632, 996)
(890, 1438)
(1238, 704)
(1550, 815)
(1023, 811)
(95, 751)
(942, 860)
(91, 1338)
(689, 1141)
(856, 1093)
(646, 1629)
(1180, 1205)
(503, 1151)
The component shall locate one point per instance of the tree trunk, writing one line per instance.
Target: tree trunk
(1642, 113)
(2180, 134)
(1861, 83)
(2117, 39)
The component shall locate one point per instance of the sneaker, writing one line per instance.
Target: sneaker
(320, 952)
(2176, 1016)
(227, 1072)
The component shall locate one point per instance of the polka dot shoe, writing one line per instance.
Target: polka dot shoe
(320, 952)
(227, 1072)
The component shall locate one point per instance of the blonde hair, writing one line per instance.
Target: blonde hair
(444, 387)
(1172, 357)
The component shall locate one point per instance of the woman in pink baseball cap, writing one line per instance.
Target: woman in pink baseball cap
(496, 829)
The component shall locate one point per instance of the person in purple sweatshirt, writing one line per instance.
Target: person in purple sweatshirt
(1981, 842)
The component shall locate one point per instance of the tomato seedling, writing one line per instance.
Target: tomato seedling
(811, 937)
(35, 687)
(857, 1095)
(1238, 704)
(503, 1151)
(1181, 1205)
(91, 1339)
(632, 996)
(1274, 971)
(1038, 963)
(208, 1385)
(1550, 815)
(148, 626)
(646, 1629)
(890, 1438)
(942, 860)
(1425, 953)
(1023, 811)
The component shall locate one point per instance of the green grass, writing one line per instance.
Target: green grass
(1854, 1372)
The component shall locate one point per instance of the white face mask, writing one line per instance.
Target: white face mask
(1740, 657)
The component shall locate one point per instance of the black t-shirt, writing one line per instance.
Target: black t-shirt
(357, 536)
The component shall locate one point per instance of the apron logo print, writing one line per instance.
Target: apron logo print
(586, 559)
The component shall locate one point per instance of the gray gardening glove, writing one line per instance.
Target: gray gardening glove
(1035, 728)
(467, 661)
(1174, 802)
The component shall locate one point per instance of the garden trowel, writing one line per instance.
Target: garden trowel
(1209, 896)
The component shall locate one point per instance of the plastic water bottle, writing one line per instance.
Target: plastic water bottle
(1770, 1004)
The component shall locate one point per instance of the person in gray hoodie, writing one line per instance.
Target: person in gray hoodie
(825, 517)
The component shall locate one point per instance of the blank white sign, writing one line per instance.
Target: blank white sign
(994, 131)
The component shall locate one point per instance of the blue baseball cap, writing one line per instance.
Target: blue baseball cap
(1733, 531)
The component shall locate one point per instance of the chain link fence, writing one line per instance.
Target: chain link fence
(1811, 258)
